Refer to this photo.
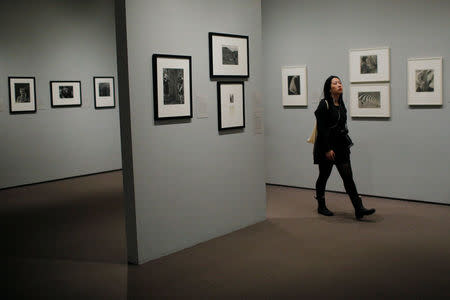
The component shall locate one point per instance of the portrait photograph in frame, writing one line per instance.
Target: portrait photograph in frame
(369, 65)
(231, 105)
(104, 93)
(65, 93)
(228, 55)
(294, 86)
(370, 100)
(22, 95)
(172, 86)
(425, 81)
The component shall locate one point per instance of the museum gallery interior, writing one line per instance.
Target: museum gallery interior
(164, 149)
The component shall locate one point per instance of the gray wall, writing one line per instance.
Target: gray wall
(57, 40)
(405, 156)
(190, 182)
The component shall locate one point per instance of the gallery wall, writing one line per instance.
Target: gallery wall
(191, 183)
(57, 40)
(404, 156)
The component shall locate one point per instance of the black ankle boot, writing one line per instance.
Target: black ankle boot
(360, 210)
(322, 209)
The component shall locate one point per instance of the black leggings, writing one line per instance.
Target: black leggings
(345, 170)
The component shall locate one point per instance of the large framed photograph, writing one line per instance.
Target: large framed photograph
(231, 105)
(370, 100)
(22, 95)
(294, 86)
(369, 65)
(425, 81)
(65, 93)
(172, 86)
(228, 55)
(104, 92)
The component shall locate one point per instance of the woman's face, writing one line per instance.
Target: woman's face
(336, 86)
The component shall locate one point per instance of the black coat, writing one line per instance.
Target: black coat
(331, 120)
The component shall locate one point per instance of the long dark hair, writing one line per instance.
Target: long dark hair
(327, 90)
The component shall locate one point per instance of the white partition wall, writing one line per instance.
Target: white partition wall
(54, 40)
(187, 182)
(404, 156)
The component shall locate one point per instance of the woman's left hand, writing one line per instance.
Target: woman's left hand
(330, 155)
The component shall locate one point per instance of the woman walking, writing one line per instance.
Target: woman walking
(332, 147)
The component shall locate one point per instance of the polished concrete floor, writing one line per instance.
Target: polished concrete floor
(66, 240)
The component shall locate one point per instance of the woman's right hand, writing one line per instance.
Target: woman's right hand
(330, 155)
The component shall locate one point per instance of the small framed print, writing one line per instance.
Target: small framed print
(425, 81)
(172, 86)
(294, 86)
(369, 65)
(228, 55)
(65, 93)
(231, 105)
(104, 92)
(22, 95)
(370, 100)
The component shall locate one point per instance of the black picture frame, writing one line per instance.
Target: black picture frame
(29, 104)
(59, 93)
(170, 74)
(231, 108)
(104, 98)
(227, 63)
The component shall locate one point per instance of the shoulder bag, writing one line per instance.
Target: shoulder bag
(313, 136)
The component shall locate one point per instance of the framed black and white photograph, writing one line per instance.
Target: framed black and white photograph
(22, 95)
(425, 81)
(369, 65)
(172, 86)
(228, 55)
(370, 100)
(104, 92)
(65, 93)
(231, 105)
(294, 86)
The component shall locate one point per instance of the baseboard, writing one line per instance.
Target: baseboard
(365, 195)
(58, 179)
